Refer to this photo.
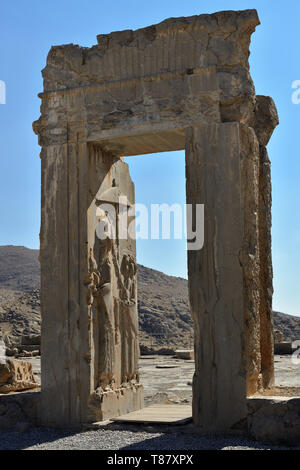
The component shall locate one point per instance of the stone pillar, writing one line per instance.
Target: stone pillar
(213, 178)
(112, 290)
(264, 122)
(63, 254)
(266, 270)
(249, 255)
(88, 292)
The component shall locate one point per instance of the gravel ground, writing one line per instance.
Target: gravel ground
(44, 439)
(169, 382)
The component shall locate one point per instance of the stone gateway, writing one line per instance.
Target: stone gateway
(181, 84)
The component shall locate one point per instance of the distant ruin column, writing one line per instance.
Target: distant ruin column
(249, 254)
(213, 178)
(265, 121)
(266, 270)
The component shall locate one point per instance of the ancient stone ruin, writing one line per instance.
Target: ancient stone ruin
(181, 84)
(16, 376)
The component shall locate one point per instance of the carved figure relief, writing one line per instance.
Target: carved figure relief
(111, 286)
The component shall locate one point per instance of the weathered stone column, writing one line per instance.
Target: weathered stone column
(88, 288)
(266, 270)
(213, 178)
(65, 323)
(249, 255)
(265, 121)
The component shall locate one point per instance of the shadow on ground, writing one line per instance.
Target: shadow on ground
(195, 442)
(122, 439)
(13, 440)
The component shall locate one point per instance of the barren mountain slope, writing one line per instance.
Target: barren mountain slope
(19, 268)
(164, 314)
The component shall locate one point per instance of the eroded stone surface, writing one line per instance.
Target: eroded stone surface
(274, 419)
(19, 411)
(266, 270)
(16, 376)
(216, 276)
(266, 119)
(249, 255)
(158, 78)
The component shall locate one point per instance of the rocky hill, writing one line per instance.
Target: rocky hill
(288, 325)
(19, 268)
(164, 314)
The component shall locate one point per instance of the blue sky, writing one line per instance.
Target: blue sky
(28, 30)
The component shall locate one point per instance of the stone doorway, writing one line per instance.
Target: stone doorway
(163, 308)
(181, 84)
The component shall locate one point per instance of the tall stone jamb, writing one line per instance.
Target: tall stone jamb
(112, 290)
(65, 364)
(88, 288)
(213, 178)
(265, 121)
(249, 254)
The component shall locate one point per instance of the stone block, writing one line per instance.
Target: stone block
(275, 419)
(16, 376)
(185, 353)
(108, 404)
